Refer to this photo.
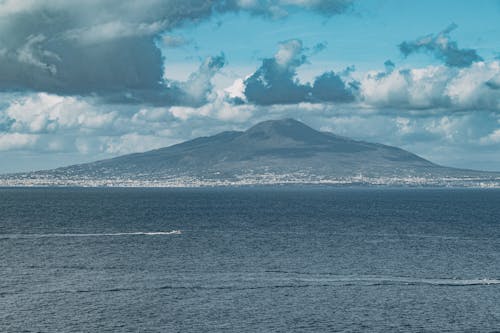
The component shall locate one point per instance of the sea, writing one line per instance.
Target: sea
(263, 259)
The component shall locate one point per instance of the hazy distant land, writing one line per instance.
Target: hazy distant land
(273, 152)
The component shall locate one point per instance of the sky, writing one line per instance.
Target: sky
(88, 80)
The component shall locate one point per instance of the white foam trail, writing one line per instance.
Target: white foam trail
(387, 280)
(139, 233)
(414, 281)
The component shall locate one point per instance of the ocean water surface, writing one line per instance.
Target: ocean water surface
(249, 260)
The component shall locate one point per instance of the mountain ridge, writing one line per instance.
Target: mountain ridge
(270, 152)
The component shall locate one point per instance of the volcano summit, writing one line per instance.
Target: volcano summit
(271, 152)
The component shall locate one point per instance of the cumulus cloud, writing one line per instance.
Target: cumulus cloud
(69, 60)
(108, 48)
(17, 141)
(276, 82)
(197, 89)
(42, 123)
(434, 87)
(50, 123)
(441, 47)
(44, 113)
(469, 89)
(491, 138)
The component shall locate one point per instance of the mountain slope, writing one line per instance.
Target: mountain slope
(275, 151)
(280, 145)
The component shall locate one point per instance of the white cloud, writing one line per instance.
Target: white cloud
(42, 112)
(114, 29)
(389, 110)
(17, 141)
(434, 87)
(491, 138)
(446, 127)
(468, 89)
(388, 90)
(132, 142)
(288, 51)
(237, 89)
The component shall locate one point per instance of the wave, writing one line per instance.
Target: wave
(284, 285)
(138, 233)
(385, 280)
(256, 282)
(418, 281)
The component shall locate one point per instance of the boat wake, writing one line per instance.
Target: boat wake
(251, 283)
(374, 280)
(138, 233)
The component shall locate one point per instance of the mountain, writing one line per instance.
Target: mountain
(271, 152)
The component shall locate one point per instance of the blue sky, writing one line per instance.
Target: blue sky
(92, 80)
(365, 37)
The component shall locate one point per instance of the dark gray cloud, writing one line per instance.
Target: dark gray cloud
(326, 7)
(107, 48)
(319, 47)
(330, 87)
(389, 66)
(275, 81)
(279, 8)
(493, 84)
(271, 84)
(91, 48)
(441, 47)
